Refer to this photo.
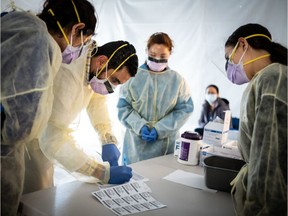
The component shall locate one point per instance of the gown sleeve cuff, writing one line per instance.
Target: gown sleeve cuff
(98, 170)
(105, 134)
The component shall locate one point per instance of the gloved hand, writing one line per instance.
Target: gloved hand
(110, 153)
(145, 133)
(153, 135)
(120, 174)
(145, 130)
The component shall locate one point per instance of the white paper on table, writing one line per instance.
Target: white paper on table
(129, 198)
(188, 179)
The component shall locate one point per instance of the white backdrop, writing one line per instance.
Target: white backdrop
(199, 29)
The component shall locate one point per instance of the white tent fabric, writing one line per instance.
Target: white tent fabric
(199, 29)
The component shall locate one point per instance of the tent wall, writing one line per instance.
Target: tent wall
(199, 29)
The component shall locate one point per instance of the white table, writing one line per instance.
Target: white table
(75, 198)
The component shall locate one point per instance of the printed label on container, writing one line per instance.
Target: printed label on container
(184, 151)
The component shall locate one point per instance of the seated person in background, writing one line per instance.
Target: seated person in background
(213, 106)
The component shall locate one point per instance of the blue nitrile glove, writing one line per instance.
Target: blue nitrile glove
(110, 153)
(120, 174)
(148, 138)
(153, 135)
(145, 133)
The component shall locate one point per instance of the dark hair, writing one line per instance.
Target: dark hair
(160, 38)
(120, 56)
(213, 86)
(278, 52)
(65, 14)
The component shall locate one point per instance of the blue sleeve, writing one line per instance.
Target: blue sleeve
(126, 114)
(178, 116)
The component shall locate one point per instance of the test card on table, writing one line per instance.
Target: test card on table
(130, 198)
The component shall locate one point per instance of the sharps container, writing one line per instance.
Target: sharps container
(189, 148)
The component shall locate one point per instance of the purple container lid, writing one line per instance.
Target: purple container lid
(191, 135)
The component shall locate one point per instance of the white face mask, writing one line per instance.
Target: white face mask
(211, 98)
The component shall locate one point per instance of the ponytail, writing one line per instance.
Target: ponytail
(278, 53)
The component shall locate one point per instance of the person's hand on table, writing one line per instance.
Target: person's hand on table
(120, 174)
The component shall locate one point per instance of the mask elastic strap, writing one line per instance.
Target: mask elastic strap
(122, 64)
(75, 9)
(233, 51)
(258, 35)
(242, 55)
(110, 58)
(82, 39)
(60, 27)
(250, 36)
(78, 18)
(106, 71)
(260, 57)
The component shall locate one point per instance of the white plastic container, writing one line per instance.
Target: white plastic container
(189, 148)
